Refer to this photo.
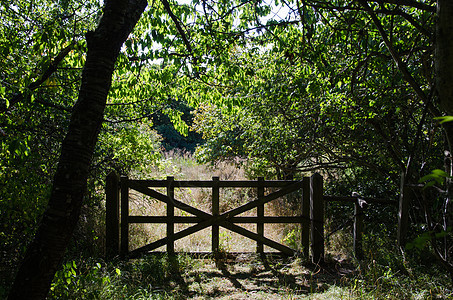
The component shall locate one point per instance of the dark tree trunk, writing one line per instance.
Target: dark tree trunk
(444, 55)
(45, 253)
(444, 90)
(444, 63)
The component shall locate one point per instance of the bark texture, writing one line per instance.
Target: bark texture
(444, 55)
(444, 90)
(45, 253)
(444, 63)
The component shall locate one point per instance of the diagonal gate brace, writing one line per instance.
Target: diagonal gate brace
(209, 220)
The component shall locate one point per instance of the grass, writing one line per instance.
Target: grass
(182, 277)
(240, 277)
(383, 274)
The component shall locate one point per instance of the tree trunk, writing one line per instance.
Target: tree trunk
(444, 90)
(444, 86)
(444, 63)
(46, 251)
(444, 55)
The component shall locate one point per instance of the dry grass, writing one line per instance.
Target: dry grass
(183, 167)
(244, 276)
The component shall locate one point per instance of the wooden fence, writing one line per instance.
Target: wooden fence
(360, 205)
(311, 216)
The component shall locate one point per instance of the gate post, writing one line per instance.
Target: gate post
(358, 229)
(112, 213)
(124, 247)
(215, 212)
(170, 215)
(260, 214)
(317, 218)
(305, 222)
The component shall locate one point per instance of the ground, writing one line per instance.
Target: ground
(248, 276)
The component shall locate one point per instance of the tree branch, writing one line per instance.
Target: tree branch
(54, 105)
(399, 62)
(179, 28)
(47, 73)
(408, 18)
(410, 3)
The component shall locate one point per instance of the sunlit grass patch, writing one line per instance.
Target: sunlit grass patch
(380, 275)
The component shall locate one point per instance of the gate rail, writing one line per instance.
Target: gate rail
(311, 216)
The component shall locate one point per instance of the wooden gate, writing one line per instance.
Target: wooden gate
(311, 216)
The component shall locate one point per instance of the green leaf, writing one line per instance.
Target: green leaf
(437, 176)
(178, 123)
(444, 119)
(409, 246)
(128, 43)
(3, 95)
(444, 233)
(419, 242)
(441, 234)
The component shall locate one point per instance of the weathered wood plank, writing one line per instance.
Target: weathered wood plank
(178, 235)
(178, 204)
(170, 215)
(317, 218)
(124, 246)
(202, 225)
(112, 215)
(252, 204)
(215, 212)
(260, 215)
(209, 183)
(358, 230)
(229, 214)
(305, 218)
(210, 220)
(239, 220)
(354, 199)
(209, 254)
(256, 237)
(164, 219)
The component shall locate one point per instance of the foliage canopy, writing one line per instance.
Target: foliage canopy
(345, 87)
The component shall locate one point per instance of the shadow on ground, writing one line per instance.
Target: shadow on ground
(248, 276)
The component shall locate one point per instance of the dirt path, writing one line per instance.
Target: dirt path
(250, 277)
